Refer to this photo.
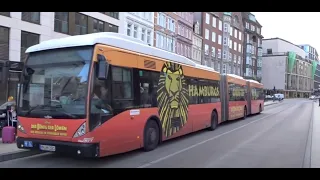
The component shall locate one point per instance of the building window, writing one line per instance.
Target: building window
(149, 37)
(213, 37)
(61, 22)
(220, 25)
(113, 14)
(213, 51)
(253, 28)
(225, 41)
(239, 47)
(235, 33)
(33, 17)
(81, 24)
(230, 56)
(239, 59)
(206, 33)
(98, 26)
(235, 46)
(161, 20)
(143, 34)
(28, 39)
(230, 44)
(4, 43)
(269, 51)
(5, 14)
(225, 27)
(231, 31)
(214, 22)
(240, 34)
(248, 38)
(129, 26)
(207, 18)
(206, 49)
(111, 28)
(219, 53)
(135, 31)
(224, 55)
(247, 25)
(219, 39)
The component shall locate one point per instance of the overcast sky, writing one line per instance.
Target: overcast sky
(296, 27)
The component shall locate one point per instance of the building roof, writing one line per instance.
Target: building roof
(112, 39)
(276, 38)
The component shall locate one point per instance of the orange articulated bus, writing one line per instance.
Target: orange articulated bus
(101, 94)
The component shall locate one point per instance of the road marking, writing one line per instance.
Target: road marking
(210, 139)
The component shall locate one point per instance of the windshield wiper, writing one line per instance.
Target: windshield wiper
(43, 106)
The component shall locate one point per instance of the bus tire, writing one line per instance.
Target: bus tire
(214, 121)
(245, 112)
(151, 136)
(260, 109)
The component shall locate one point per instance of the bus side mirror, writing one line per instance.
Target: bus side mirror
(103, 67)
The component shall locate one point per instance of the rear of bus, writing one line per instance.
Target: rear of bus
(256, 97)
(236, 97)
(53, 107)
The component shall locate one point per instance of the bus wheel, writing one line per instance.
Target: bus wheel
(260, 109)
(214, 121)
(151, 136)
(245, 113)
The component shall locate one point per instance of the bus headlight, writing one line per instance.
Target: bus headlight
(81, 130)
(20, 127)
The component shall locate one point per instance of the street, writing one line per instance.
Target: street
(276, 138)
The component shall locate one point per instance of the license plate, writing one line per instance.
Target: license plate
(28, 144)
(47, 148)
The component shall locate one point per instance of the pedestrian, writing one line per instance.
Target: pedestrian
(319, 101)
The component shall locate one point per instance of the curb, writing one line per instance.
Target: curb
(18, 154)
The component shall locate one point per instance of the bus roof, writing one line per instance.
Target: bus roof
(253, 81)
(112, 39)
(205, 68)
(235, 76)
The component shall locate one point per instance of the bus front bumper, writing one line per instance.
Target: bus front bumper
(72, 148)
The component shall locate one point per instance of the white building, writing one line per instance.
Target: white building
(139, 25)
(285, 68)
(20, 30)
(196, 44)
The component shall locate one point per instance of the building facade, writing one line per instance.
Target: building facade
(196, 43)
(311, 52)
(286, 69)
(184, 33)
(222, 40)
(316, 82)
(20, 30)
(252, 50)
(139, 25)
(165, 30)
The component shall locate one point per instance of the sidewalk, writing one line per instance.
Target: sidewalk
(11, 151)
(315, 147)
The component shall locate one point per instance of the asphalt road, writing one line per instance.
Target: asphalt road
(276, 138)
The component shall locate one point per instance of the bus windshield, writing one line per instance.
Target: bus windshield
(55, 84)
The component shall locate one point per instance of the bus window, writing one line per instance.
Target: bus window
(192, 85)
(122, 89)
(148, 83)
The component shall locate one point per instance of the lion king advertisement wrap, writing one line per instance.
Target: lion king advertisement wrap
(172, 97)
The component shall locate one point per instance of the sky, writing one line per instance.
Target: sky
(295, 27)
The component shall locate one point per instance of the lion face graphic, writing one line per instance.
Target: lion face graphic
(173, 98)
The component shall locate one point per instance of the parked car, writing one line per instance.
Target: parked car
(312, 97)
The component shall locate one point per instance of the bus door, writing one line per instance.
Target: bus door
(224, 95)
(249, 98)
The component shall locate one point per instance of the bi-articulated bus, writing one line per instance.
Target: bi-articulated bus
(101, 94)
